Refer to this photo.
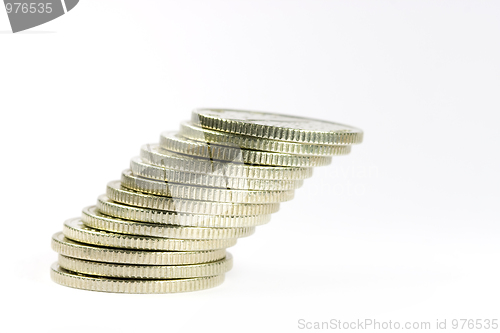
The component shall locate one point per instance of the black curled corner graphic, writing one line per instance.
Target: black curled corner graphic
(26, 14)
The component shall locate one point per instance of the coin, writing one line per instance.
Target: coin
(105, 206)
(191, 192)
(92, 218)
(117, 193)
(192, 132)
(131, 286)
(141, 169)
(74, 229)
(69, 248)
(277, 126)
(146, 271)
(155, 155)
(173, 142)
(166, 225)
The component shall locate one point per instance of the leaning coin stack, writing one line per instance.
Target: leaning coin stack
(165, 226)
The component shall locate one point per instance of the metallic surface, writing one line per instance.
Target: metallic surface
(69, 248)
(145, 170)
(106, 206)
(166, 225)
(74, 229)
(277, 126)
(155, 155)
(146, 271)
(173, 142)
(192, 132)
(192, 192)
(94, 219)
(131, 286)
(117, 193)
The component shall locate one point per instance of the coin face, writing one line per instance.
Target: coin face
(277, 126)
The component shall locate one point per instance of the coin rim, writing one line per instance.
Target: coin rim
(238, 126)
(117, 193)
(72, 230)
(69, 248)
(147, 272)
(117, 225)
(203, 134)
(131, 286)
(162, 188)
(185, 146)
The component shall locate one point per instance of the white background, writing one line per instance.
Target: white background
(406, 228)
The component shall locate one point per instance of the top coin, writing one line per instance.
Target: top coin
(277, 126)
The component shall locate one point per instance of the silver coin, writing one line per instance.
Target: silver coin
(277, 126)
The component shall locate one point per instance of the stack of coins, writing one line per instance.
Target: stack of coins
(165, 226)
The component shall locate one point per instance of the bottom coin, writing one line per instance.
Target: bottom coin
(146, 271)
(130, 286)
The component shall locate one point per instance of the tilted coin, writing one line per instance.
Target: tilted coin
(105, 206)
(277, 126)
(74, 229)
(172, 141)
(192, 192)
(116, 192)
(131, 286)
(154, 154)
(142, 169)
(94, 219)
(146, 271)
(69, 248)
(192, 132)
